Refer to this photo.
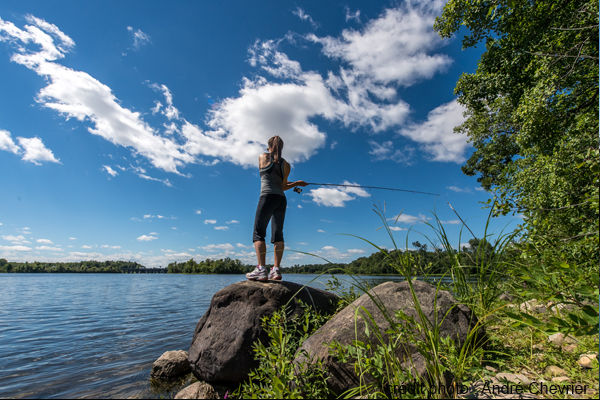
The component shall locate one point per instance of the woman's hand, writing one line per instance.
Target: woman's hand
(300, 183)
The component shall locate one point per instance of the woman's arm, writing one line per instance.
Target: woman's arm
(286, 172)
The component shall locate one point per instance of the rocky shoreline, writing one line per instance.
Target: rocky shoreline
(220, 355)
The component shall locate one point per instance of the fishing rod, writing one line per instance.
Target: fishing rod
(298, 190)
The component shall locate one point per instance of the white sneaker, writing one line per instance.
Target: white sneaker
(258, 275)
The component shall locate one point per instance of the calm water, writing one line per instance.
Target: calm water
(97, 335)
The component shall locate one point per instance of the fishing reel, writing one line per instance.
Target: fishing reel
(297, 189)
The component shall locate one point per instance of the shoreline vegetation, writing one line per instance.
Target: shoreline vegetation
(432, 263)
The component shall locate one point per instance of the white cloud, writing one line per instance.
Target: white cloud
(458, 189)
(480, 189)
(328, 248)
(214, 247)
(174, 228)
(153, 233)
(44, 241)
(49, 248)
(169, 111)
(75, 94)
(15, 248)
(408, 218)
(110, 171)
(198, 212)
(452, 222)
(243, 246)
(397, 228)
(139, 38)
(161, 217)
(222, 228)
(385, 151)
(6, 142)
(436, 134)
(336, 196)
(35, 151)
(233, 221)
(305, 17)
(210, 221)
(321, 231)
(85, 246)
(105, 246)
(352, 15)
(146, 216)
(299, 206)
(145, 238)
(356, 251)
(72, 238)
(12, 238)
(394, 47)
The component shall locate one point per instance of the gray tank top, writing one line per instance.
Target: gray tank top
(271, 178)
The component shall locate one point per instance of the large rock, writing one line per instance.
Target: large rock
(394, 296)
(198, 390)
(171, 364)
(221, 349)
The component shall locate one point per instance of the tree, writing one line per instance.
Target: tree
(532, 114)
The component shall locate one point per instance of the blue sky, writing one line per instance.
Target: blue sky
(131, 130)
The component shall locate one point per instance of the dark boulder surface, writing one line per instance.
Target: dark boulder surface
(395, 296)
(221, 349)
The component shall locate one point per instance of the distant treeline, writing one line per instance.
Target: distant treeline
(69, 267)
(424, 261)
(226, 266)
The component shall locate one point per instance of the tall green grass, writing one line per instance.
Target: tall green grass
(381, 373)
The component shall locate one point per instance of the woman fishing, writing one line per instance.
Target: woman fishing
(274, 172)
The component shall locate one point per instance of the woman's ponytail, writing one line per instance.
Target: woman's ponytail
(275, 145)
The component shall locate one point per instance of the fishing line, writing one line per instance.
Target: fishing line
(298, 190)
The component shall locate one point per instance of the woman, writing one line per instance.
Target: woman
(274, 172)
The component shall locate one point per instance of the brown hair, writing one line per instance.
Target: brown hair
(275, 146)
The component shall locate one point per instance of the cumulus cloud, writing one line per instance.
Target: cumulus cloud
(320, 231)
(35, 151)
(233, 221)
(243, 246)
(214, 247)
(397, 228)
(396, 49)
(14, 239)
(198, 212)
(44, 241)
(110, 171)
(436, 135)
(408, 218)
(49, 248)
(336, 196)
(210, 221)
(356, 251)
(15, 248)
(393, 48)
(32, 149)
(145, 238)
(6, 142)
(222, 228)
(72, 238)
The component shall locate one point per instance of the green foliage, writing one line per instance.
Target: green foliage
(346, 295)
(223, 266)
(277, 376)
(381, 372)
(532, 113)
(71, 267)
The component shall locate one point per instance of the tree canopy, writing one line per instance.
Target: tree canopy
(532, 113)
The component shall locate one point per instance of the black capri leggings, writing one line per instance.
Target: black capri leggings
(270, 207)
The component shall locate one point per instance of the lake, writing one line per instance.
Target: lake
(97, 335)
